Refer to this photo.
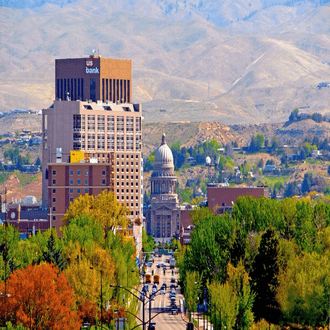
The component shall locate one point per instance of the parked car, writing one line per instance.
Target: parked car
(172, 280)
(161, 264)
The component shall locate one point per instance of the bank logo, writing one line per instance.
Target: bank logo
(89, 63)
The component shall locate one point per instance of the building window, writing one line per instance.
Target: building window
(71, 191)
(71, 172)
(103, 172)
(100, 141)
(78, 191)
(54, 191)
(86, 190)
(54, 200)
(91, 142)
(78, 181)
(54, 208)
(120, 143)
(103, 181)
(71, 181)
(78, 172)
(54, 218)
(78, 123)
(91, 123)
(111, 142)
(79, 141)
(120, 124)
(100, 123)
(138, 143)
(86, 172)
(138, 124)
(54, 172)
(129, 143)
(71, 199)
(110, 124)
(129, 125)
(54, 181)
(86, 181)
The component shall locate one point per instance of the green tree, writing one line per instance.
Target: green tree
(307, 182)
(191, 292)
(265, 272)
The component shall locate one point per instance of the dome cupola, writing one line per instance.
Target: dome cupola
(163, 156)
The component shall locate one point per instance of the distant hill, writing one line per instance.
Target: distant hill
(230, 61)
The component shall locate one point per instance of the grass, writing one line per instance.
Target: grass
(25, 179)
(3, 177)
(271, 180)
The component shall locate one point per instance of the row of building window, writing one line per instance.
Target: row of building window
(79, 182)
(79, 124)
(79, 172)
(116, 90)
(127, 170)
(127, 177)
(127, 183)
(106, 141)
(72, 88)
(128, 191)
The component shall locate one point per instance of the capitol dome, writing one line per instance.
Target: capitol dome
(163, 156)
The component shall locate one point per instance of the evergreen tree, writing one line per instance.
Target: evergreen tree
(306, 185)
(53, 254)
(264, 273)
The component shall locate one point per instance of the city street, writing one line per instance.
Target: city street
(162, 302)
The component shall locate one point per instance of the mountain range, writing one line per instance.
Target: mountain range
(243, 61)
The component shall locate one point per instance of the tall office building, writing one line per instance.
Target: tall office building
(92, 136)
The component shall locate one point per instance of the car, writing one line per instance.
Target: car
(172, 286)
(146, 288)
(152, 326)
(174, 311)
(172, 294)
(154, 285)
(161, 264)
(162, 291)
(190, 326)
(154, 290)
(164, 285)
(173, 290)
(172, 280)
(142, 296)
(149, 264)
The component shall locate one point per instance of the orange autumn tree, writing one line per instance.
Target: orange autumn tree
(40, 298)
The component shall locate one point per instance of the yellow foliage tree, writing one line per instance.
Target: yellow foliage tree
(103, 208)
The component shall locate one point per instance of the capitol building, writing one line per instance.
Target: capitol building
(163, 215)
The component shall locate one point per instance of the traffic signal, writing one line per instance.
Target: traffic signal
(152, 272)
(164, 272)
(172, 272)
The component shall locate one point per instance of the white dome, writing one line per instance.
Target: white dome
(163, 156)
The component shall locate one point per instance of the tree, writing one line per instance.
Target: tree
(264, 273)
(53, 254)
(306, 185)
(38, 162)
(40, 298)
(238, 279)
(294, 115)
(103, 208)
(192, 287)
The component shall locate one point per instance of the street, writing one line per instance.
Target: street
(162, 302)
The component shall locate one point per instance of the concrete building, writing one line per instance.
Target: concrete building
(163, 215)
(90, 146)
